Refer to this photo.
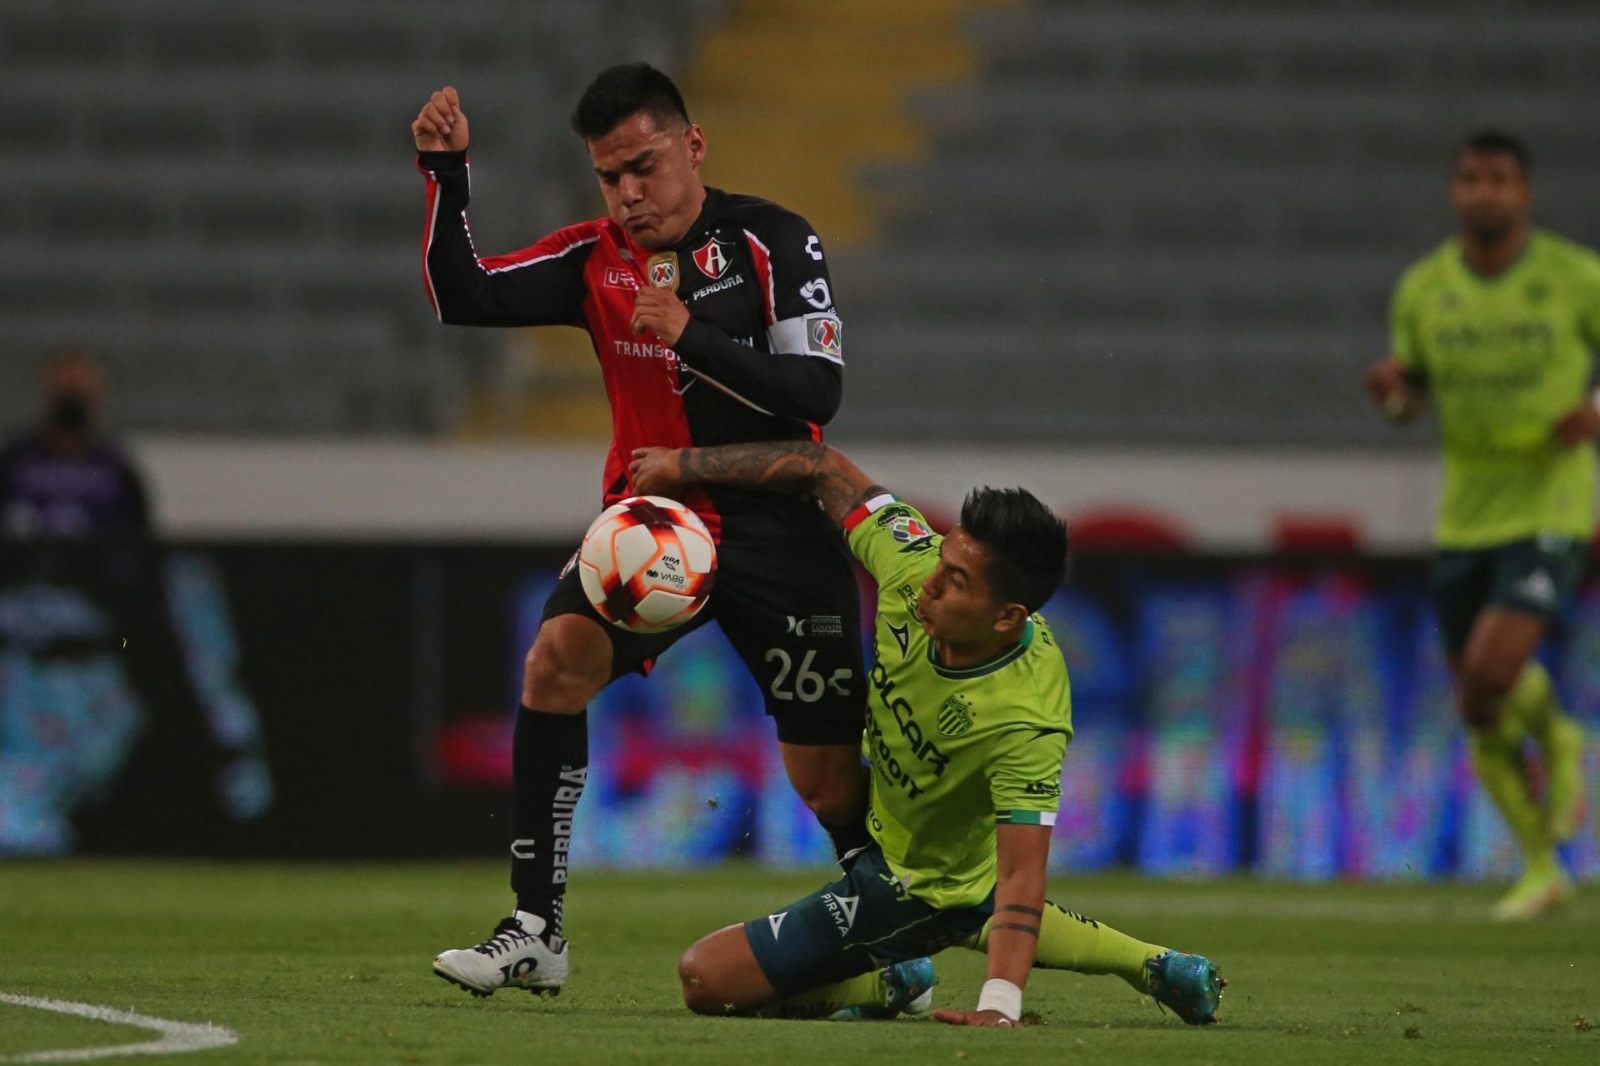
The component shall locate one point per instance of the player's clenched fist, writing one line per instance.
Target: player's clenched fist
(661, 312)
(441, 125)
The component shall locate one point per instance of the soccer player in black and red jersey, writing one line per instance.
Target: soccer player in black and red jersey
(714, 323)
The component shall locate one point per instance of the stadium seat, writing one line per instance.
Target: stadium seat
(1316, 533)
(1155, 222)
(246, 260)
(1127, 529)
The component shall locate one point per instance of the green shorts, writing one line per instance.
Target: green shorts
(861, 922)
(1537, 575)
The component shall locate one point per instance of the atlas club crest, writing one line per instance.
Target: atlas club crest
(712, 259)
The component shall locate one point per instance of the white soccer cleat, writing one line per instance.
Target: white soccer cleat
(516, 956)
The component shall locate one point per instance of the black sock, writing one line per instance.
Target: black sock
(848, 837)
(549, 764)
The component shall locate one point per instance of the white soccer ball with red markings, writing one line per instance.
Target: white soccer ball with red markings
(647, 564)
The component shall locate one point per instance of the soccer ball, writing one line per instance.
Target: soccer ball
(647, 564)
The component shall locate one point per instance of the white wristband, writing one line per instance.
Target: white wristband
(1001, 995)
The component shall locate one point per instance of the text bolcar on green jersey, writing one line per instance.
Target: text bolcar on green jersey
(953, 752)
(1505, 358)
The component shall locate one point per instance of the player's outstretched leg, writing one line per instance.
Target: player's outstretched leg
(1189, 985)
(570, 661)
(720, 976)
(824, 955)
(529, 949)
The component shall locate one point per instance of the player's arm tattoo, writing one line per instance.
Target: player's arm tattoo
(783, 466)
(1031, 928)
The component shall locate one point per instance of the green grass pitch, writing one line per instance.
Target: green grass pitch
(330, 964)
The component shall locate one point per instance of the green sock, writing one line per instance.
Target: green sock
(865, 989)
(1532, 702)
(1069, 941)
(1497, 757)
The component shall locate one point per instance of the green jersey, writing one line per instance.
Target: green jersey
(953, 752)
(1505, 358)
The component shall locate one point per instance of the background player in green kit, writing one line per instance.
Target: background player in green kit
(967, 724)
(1498, 326)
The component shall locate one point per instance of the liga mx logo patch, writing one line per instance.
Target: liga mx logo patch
(908, 531)
(822, 335)
(712, 259)
(955, 716)
(662, 270)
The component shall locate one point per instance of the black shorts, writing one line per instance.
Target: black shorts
(857, 924)
(792, 612)
(1537, 575)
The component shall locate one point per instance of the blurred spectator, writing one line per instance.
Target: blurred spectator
(63, 481)
(79, 575)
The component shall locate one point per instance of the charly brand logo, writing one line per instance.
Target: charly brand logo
(815, 292)
(955, 716)
(662, 270)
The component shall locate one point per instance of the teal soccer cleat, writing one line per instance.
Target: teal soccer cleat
(910, 986)
(1190, 985)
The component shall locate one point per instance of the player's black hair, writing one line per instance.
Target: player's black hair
(623, 90)
(1497, 141)
(1029, 544)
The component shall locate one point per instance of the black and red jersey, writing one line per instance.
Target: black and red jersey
(761, 358)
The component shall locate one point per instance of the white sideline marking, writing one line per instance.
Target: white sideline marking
(175, 1036)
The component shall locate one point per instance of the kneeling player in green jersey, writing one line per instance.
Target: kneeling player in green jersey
(967, 724)
(1498, 326)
